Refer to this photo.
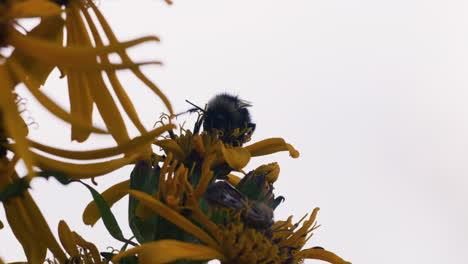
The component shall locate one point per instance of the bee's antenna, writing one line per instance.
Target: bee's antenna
(192, 109)
(196, 107)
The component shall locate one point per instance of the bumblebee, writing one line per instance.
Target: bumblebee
(228, 117)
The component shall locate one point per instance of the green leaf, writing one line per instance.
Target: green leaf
(107, 216)
(204, 205)
(108, 255)
(15, 189)
(143, 178)
(124, 247)
(127, 260)
(275, 202)
(146, 179)
(252, 186)
(58, 175)
(18, 187)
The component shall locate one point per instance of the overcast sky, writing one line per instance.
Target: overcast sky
(372, 93)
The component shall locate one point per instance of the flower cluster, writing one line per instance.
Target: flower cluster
(190, 200)
(187, 204)
(84, 60)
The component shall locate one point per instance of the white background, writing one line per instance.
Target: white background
(373, 94)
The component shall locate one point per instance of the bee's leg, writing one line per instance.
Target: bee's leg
(171, 134)
(249, 132)
(252, 127)
(198, 124)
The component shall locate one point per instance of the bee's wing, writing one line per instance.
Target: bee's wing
(260, 213)
(226, 195)
(244, 103)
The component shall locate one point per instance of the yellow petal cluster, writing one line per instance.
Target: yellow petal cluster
(173, 250)
(84, 60)
(77, 248)
(27, 222)
(186, 145)
(271, 172)
(232, 243)
(74, 37)
(112, 195)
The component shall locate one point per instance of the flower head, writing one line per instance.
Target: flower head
(232, 223)
(79, 250)
(184, 203)
(235, 241)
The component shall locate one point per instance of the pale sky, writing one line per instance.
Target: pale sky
(372, 93)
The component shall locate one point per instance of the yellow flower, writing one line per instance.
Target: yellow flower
(271, 145)
(27, 221)
(136, 148)
(112, 195)
(233, 179)
(173, 189)
(188, 148)
(37, 52)
(77, 248)
(12, 124)
(232, 242)
(271, 172)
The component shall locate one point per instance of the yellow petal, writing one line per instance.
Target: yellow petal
(271, 145)
(173, 216)
(57, 55)
(91, 214)
(50, 28)
(23, 230)
(107, 108)
(171, 146)
(143, 212)
(125, 58)
(302, 232)
(81, 104)
(206, 176)
(83, 171)
(47, 102)
(165, 251)
(114, 81)
(13, 122)
(233, 179)
(198, 145)
(271, 171)
(43, 228)
(34, 8)
(131, 146)
(107, 66)
(79, 83)
(324, 255)
(236, 157)
(90, 246)
(67, 239)
(96, 91)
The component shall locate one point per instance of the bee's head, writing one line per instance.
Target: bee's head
(228, 116)
(225, 114)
